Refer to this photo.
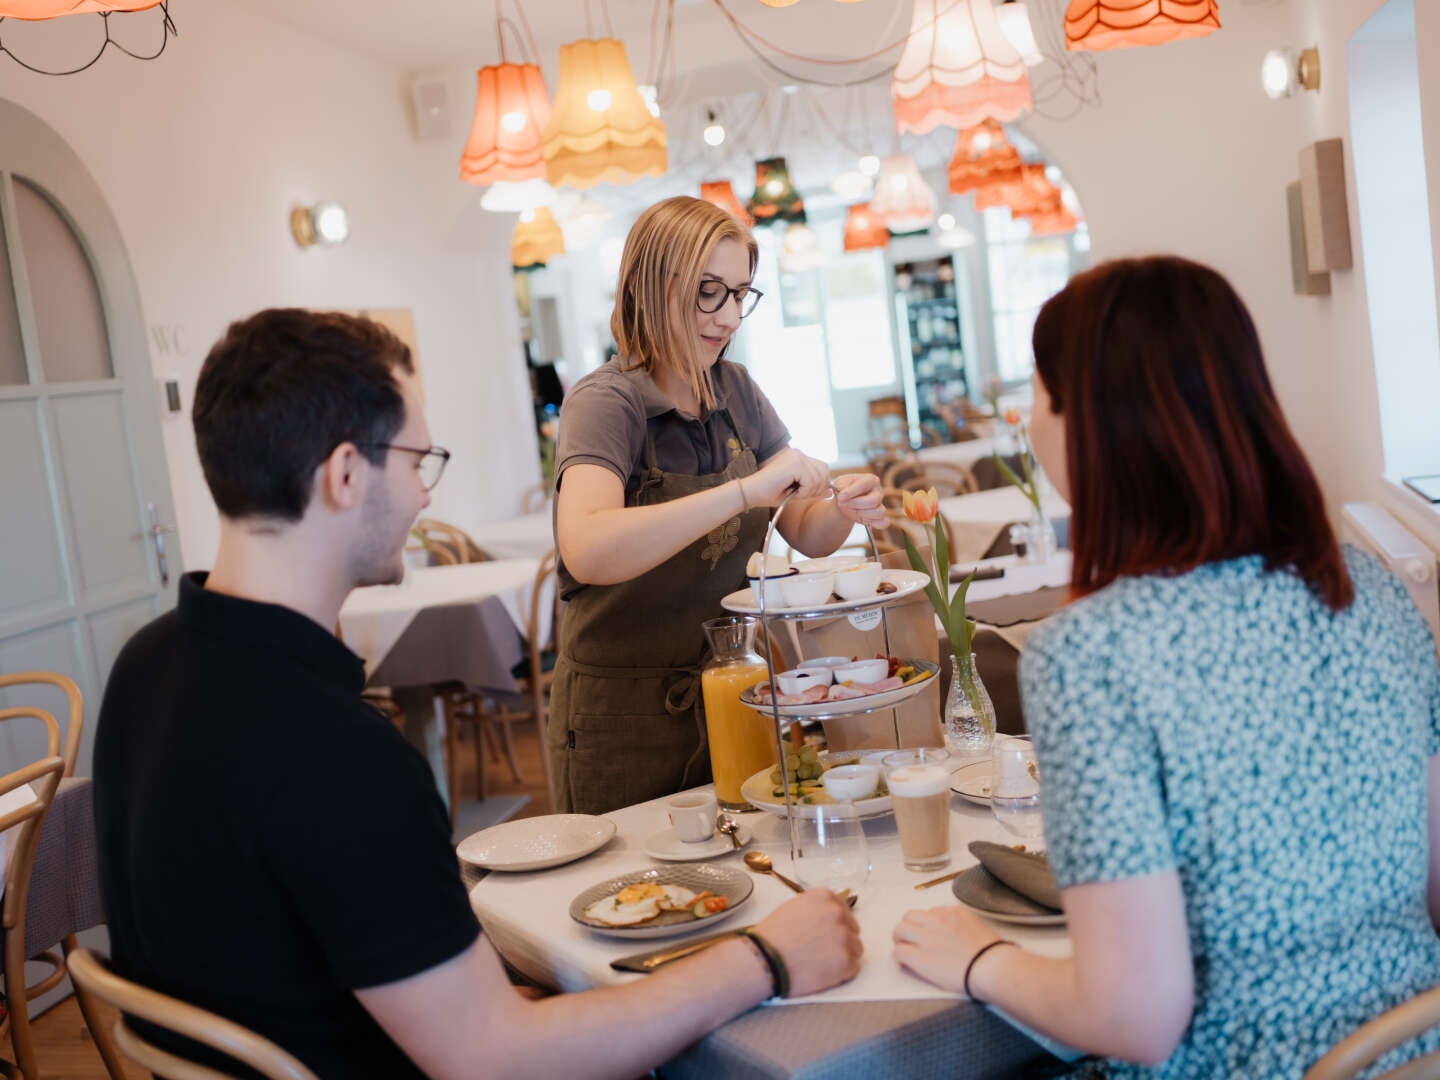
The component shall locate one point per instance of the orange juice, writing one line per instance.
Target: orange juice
(742, 741)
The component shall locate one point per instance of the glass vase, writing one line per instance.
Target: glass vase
(969, 713)
(1042, 543)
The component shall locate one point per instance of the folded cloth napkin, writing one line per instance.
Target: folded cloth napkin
(1027, 872)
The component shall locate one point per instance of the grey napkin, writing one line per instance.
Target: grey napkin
(1027, 872)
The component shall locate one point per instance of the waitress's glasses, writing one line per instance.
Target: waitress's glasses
(713, 295)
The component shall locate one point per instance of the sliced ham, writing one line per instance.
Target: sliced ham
(841, 692)
(894, 682)
(811, 696)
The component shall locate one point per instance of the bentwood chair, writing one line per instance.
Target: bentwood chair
(226, 1036)
(1355, 1053)
(446, 543)
(61, 892)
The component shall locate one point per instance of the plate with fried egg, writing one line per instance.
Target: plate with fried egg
(660, 901)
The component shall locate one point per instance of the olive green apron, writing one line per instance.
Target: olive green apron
(626, 720)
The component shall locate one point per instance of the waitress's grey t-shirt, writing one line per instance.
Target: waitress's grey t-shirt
(604, 417)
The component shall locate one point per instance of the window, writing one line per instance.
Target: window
(1025, 271)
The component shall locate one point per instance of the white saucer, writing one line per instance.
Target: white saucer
(669, 847)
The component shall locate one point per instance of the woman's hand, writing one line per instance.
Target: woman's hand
(939, 944)
(768, 486)
(858, 497)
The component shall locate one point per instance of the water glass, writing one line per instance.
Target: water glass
(830, 850)
(1015, 788)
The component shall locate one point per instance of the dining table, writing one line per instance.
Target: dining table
(528, 536)
(966, 453)
(884, 1022)
(976, 520)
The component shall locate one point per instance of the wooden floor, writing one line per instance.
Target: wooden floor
(62, 1043)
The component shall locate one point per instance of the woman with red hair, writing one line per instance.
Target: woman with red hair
(1237, 723)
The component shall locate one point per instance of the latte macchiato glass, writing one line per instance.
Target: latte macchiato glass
(919, 783)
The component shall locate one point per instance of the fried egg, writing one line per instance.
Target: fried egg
(677, 898)
(631, 906)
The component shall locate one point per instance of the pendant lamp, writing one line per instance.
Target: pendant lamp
(512, 196)
(1014, 20)
(537, 239)
(581, 219)
(852, 184)
(600, 130)
(958, 68)
(775, 197)
(1051, 222)
(800, 251)
(52, 9)
(722, 195)
(903, 200)
(1120, 24)
(863, 230)
(983, 156)
(511, 112)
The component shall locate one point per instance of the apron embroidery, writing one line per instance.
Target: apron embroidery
(733, 445)
(721, 540)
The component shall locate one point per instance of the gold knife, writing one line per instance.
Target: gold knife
(940, 880)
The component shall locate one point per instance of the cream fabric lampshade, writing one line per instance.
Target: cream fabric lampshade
(957, 69)
(903, 200)
(601, 130)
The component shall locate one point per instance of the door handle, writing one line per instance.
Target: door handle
(156, 533)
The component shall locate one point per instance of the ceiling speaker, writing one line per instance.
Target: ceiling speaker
(432, 108)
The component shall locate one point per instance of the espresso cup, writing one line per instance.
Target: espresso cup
(693, 814)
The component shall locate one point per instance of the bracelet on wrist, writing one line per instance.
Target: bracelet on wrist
(744, 501)
(779, 973)
(971, 966)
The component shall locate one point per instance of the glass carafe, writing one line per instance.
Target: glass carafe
(742, 741)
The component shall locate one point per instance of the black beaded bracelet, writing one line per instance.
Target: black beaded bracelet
(971, 966)
(779, 973)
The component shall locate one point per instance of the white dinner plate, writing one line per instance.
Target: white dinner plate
(536, 843)
(972, 782)
(735, 885)
(667, 846)
(905, 582)
(847, 706)
(757, 790)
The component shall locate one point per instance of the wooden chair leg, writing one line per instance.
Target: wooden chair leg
(98, 1030)
(16, 1001)
(452, 752)
(505, 737)
(482, 734)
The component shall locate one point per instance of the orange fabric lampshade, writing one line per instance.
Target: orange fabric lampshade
(601, 130)
(957, 69)
(983, 156)
(863, 229)
(1051, 222)
(511, 112)
(722, 195)
(1120, 24)
(51, 9)
(536, 240)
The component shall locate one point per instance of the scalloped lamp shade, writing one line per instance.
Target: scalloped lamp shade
(1121, 24)
(53, 9)
(957, 69)
(983, 156)
(723, 195)
(1025, 196)
(536, 241)
(863, 230)
(775, 197)
(601, 130)
(511, 112)
(903, 200)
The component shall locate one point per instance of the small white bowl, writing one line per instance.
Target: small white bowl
(858, 582)
(825, 665)
(773, 597)
(797, 681)
(863, 671)
(850, 783)
(829, 563)
(807, 590)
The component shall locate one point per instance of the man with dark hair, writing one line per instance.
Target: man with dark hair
(270, 847)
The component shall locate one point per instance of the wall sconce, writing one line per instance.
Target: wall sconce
(1284, 72)
(324, 223)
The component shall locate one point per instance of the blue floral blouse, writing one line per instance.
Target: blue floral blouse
(1225, 724)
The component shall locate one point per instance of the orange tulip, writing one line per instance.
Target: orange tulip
(921, 506)
(1012, 416)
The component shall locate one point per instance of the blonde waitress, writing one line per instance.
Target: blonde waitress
(669, 462)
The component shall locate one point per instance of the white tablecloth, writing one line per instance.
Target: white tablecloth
(976, 520)
(373, 618)
(527, 915)
(528, 537)
(966, 453)
(11, 801)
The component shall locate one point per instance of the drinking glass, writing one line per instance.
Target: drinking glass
(919, 782)
(1015, 788)
(830, 848)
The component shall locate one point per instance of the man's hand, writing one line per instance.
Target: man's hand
(818, 939)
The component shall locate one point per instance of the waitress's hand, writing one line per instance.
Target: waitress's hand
(768, 486)
(858, 497)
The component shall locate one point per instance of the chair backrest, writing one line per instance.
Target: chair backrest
(1356, 1052)
(43, 776)
(93, 975)
(945, 478)
(74, 701)
(533, 499)
(532, 634)
(448, 544)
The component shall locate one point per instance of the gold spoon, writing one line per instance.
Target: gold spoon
(761, 864)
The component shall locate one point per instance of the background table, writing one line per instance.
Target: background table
(527, 537)
(965, 453)
(976, 520)
(884, 1021)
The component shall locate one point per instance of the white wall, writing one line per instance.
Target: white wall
(201, 155)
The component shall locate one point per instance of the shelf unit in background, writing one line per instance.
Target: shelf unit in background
(933, 352)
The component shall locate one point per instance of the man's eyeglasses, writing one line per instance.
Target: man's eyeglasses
(713, 295)
(433, 460)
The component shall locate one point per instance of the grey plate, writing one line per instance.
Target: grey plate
(735, 885)
(977, 888)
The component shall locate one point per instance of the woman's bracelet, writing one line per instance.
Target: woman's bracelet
(744, 502)
(779, 973)
(971, 966)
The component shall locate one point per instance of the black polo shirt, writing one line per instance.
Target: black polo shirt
(268, 842)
